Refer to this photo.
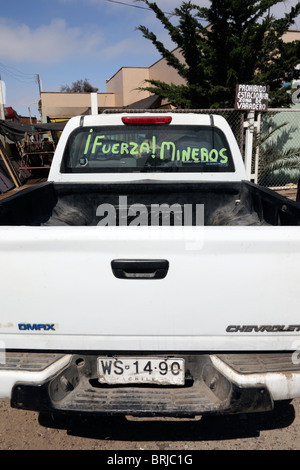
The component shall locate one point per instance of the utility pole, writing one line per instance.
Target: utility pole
(39, 82)
(2, 113)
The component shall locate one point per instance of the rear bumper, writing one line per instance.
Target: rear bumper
(215, 384)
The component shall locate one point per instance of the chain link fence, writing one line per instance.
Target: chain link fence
(279, 148)
(276, 144)
(234, 118)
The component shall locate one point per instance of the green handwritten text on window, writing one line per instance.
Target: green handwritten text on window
(166, 150)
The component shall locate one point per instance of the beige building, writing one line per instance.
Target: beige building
(126, 82)
(291, 35)
(62, 106)
(122, 90)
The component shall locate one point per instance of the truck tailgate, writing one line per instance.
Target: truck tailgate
(226, 288)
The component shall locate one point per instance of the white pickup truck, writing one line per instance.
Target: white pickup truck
(147, 276)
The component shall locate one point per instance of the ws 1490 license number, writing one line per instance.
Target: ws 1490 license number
(123, 370)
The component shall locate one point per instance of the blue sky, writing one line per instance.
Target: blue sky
(67, 40)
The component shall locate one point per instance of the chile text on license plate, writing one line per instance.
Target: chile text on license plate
(121, 370)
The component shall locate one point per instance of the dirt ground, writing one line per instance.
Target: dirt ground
(274, 430)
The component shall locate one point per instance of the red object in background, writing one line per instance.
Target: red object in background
(10, 113)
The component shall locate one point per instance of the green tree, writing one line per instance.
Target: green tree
(80, 86)
(231, 42)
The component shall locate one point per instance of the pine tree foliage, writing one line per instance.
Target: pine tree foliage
(241, 43)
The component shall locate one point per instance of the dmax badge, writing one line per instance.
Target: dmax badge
(36, 326)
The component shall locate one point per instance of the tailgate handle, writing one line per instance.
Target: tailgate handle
(140, 269)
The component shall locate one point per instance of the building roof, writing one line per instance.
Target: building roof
(151, 102)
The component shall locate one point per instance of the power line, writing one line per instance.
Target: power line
(134, 6)
(127, 4)
(17, 71)
(16, 77)
(17, 74)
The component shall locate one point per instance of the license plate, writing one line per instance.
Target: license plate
(139, 370)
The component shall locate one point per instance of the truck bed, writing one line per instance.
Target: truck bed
(69, 204)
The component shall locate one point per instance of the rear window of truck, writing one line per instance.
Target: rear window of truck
(147, 148)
